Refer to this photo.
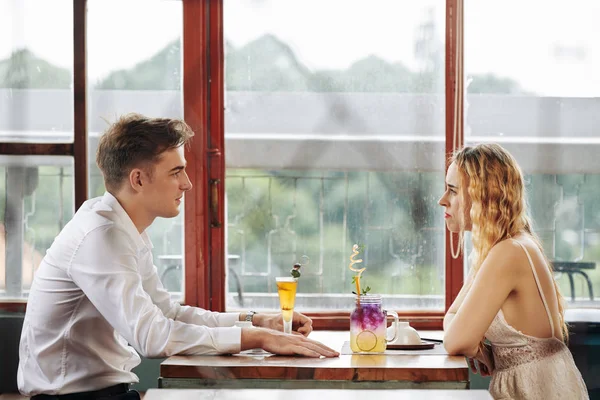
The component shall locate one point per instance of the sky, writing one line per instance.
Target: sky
(547, 47)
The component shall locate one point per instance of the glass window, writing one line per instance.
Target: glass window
(36, 106)
(135, 66)
(335, 136)
(535, 91)
(36, 71)
(36, 201)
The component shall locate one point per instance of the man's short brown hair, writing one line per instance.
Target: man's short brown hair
(136, 141)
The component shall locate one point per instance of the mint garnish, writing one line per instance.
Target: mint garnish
(296, 270)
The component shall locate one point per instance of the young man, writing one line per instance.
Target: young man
(96, 300)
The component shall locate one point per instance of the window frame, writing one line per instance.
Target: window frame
(77, 149)
(209, 45)
(203, 104)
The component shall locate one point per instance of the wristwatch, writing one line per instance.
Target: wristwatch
(249, 316)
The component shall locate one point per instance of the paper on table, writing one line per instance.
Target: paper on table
(438, 349)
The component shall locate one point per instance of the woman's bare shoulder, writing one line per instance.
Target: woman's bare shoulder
(509, 255)
(506, 248)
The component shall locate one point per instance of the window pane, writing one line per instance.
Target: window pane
(335, 137)
(136, 67)
(536, 92)
(36, 201)
(36, 71)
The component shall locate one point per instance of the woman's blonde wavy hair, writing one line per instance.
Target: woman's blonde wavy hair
(498, 205)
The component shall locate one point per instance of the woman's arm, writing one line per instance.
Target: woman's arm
(459, 299)
(496, 279)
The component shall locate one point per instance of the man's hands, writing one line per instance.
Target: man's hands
(270, 337)
(277, 342)
(300, 323)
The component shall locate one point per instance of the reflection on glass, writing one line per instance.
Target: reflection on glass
(36, 201)
(535, 91)
(531, 85)
(36, 71)
(565, 212)
(274, 218)
(554, 58)
(135, 67)
(334, 137)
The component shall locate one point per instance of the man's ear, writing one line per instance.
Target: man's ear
(137, 179)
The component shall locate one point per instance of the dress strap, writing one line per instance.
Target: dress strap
(537, 282)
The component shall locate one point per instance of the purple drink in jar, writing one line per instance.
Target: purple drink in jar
(368, 325)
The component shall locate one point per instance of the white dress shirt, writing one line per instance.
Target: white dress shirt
(96, 299)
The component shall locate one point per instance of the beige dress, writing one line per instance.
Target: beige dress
(526, 367)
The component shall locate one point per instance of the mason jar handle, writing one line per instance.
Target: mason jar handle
(395, 315)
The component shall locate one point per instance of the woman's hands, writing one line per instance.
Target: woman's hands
(300, 323)
(483, 369)
(483, 360)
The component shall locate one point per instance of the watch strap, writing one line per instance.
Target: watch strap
(249, 316)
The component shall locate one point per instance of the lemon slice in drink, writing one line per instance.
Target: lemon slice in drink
(366, 341)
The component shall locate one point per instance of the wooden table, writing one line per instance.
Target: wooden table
(360, 371)
(330, 394)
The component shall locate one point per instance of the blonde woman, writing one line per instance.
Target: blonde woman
(510, 296)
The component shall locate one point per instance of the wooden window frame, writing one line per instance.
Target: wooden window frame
(203, 92)
(77, 149)
(203, 104)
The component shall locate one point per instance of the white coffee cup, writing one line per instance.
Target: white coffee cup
(407, 335)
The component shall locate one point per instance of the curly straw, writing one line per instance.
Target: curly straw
(359, 271)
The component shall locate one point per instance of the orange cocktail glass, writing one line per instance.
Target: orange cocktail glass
(286, 288)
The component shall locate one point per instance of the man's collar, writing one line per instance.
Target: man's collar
(142, 240)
